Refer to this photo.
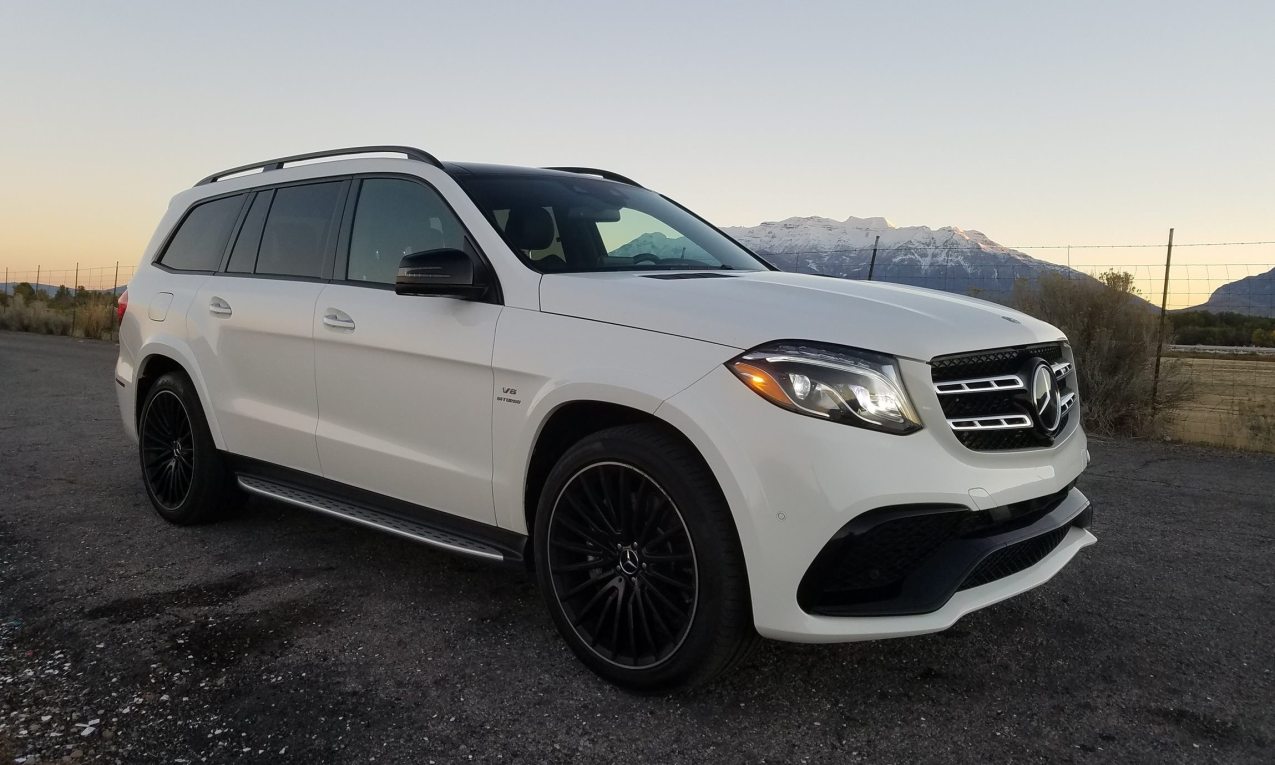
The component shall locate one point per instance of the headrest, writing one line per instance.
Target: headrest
(530, 228)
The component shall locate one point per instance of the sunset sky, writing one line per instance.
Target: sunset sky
(1081, 123)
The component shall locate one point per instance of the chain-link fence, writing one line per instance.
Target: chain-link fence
(108, 279)
(79, 301)
(1216, 378)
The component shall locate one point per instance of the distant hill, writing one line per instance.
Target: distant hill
(1252, 295)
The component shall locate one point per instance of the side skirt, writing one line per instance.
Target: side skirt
(420, 524)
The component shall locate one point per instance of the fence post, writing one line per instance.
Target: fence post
(872, 265)
(1164, 307)
(75, 297)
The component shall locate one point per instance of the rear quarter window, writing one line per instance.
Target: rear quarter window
(201, 237)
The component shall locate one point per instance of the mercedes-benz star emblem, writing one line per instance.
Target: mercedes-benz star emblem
(1046, 398)
(629, 561)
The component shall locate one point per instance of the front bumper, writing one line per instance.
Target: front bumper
(910, 560)
(793, 483)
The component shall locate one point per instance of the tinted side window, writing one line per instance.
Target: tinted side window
(243, 257)
(396, 218)
(297, 230)
(201, 238)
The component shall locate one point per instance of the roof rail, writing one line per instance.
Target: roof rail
(277, 164)
(606, 174)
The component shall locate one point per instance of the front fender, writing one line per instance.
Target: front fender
(543, 362)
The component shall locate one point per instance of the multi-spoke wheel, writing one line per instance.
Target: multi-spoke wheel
(181, 468)
(623, 565)
(638, 559)
(168, 449)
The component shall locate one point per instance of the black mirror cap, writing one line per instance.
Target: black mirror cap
(449, 272)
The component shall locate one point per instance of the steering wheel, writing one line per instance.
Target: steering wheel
(645, 257)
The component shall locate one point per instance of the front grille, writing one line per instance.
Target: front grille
(1015, 558)
(989, 363)
(985, 396)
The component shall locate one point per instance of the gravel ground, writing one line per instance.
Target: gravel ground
(282, 636)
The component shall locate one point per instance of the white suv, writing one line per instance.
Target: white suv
(560, 369)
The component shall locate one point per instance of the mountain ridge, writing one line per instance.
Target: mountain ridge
(1252, 295)
(949, 258)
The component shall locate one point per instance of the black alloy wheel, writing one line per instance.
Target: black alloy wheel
(186, 478)
(622, 565)
(639, 561)
(168, 450)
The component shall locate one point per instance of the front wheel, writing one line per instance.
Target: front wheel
(639, 562)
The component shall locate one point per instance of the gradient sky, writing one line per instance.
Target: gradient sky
(1036, 123)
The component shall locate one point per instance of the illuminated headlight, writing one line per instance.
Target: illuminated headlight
(844, 385)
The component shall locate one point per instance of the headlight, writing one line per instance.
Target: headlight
(844, 385)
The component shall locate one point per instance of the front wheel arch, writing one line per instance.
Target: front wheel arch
(571, 423)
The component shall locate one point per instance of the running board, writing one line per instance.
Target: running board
(370, 517)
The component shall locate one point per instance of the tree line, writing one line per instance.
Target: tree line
(1209, 328)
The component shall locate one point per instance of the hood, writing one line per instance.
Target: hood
(744, 310)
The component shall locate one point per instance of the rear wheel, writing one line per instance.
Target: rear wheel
(184, 474)
(639, 562)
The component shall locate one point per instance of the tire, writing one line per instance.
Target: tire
(639, 562)
(185, 476)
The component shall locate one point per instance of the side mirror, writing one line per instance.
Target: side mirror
(448, 272)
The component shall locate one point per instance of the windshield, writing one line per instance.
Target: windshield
(583, 224)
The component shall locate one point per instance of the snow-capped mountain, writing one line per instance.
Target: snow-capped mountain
(949, 258)
(1253, 295)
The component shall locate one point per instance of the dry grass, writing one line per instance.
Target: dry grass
(1233, 405)
(93, 318)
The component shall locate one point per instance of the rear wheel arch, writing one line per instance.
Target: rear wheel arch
(157, 364)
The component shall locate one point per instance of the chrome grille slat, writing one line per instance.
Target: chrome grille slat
(979, 385)
(1000, 422)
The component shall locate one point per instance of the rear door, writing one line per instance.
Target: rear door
(405, 385)
(252, 324)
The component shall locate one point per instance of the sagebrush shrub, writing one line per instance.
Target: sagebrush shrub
(1113, 333)
(92, 316)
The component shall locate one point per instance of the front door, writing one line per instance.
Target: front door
(405, 384)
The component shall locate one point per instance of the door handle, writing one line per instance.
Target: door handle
(219, 307)
(337, 319)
